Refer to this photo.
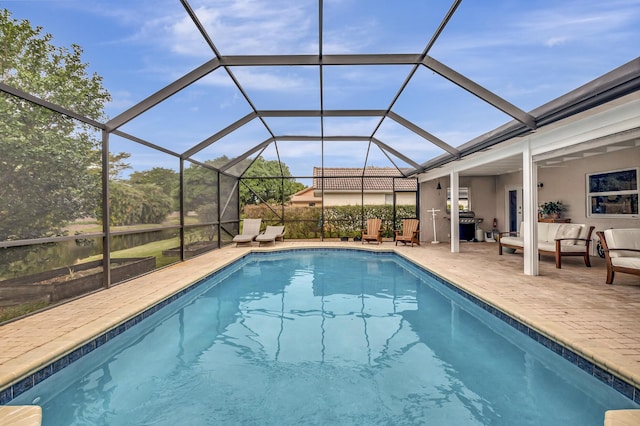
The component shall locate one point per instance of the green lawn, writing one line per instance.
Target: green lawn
(151, 249)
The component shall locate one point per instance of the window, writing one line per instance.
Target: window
(613, 194)
(463, 199)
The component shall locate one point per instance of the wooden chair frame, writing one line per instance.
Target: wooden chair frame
(410, 232)
(373, 232)
(612, 269)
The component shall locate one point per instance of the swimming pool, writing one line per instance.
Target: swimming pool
(322, 337)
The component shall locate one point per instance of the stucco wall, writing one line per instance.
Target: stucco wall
(352, 199)
(370, 198)
(406, 198)
(482, 194)
(566, 183)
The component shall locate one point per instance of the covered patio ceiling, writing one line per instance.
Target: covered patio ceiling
(321, 83)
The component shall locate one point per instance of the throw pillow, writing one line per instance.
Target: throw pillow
(568, 231)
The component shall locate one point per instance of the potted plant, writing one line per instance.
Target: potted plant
(551, 209)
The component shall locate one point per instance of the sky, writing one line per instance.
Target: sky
(526, 52)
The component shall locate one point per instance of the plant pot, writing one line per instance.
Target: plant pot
(344, 238)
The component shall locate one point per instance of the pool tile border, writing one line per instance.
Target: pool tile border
(11, 392)
(620, 385)
(625, 388)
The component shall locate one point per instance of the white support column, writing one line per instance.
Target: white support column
(530, 210)
(454, 184)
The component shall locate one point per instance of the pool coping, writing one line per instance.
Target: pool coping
(20, 381)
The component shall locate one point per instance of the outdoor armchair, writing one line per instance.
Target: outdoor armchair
(409, 232)
(373, 232)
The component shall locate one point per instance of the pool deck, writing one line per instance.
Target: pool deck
(572, 305)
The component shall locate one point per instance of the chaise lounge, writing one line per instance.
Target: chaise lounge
(621, 251)
(271, 235)
(557, 239)
(250, 230)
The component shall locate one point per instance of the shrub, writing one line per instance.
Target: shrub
(339, 221)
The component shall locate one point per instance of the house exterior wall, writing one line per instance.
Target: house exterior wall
(482, 200)
(370, 198)
(406, 198)
(568, 184)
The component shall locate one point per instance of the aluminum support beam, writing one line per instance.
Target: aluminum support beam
(222, 133)
(143, 142)
(294, 138)
(326, 113)
(386, 147)
(49, 105)
(164, 93)
(421, 132)
(246, 154)
(302, 60)
(106, 212)
(479, 91)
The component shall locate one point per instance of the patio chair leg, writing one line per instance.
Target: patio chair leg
(610, 274)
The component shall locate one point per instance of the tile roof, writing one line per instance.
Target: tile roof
(350, 179)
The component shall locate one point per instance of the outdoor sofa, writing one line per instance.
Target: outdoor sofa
(557, 239)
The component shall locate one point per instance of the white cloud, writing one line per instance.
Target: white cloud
(255, 26)
(554, 41)
(548, 25)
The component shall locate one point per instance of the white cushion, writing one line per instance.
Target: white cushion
(567, 230)
(623, 238)
(547, 234)
(584, 233)
(543, 231)
(547, 246)
(626, 262)
(512, 241)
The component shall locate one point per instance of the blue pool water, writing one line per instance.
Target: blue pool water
(322, 337)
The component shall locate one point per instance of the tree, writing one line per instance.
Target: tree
(47, 169)
(137, 204)
(200, 186)
(164, 178)
(268, 190)
(117, 165)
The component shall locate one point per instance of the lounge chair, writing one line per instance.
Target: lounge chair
(250, 230)
(409, 232)
(271, 235)
(373, 231)
(621, 251)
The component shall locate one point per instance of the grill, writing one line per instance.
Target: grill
(468, 223)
